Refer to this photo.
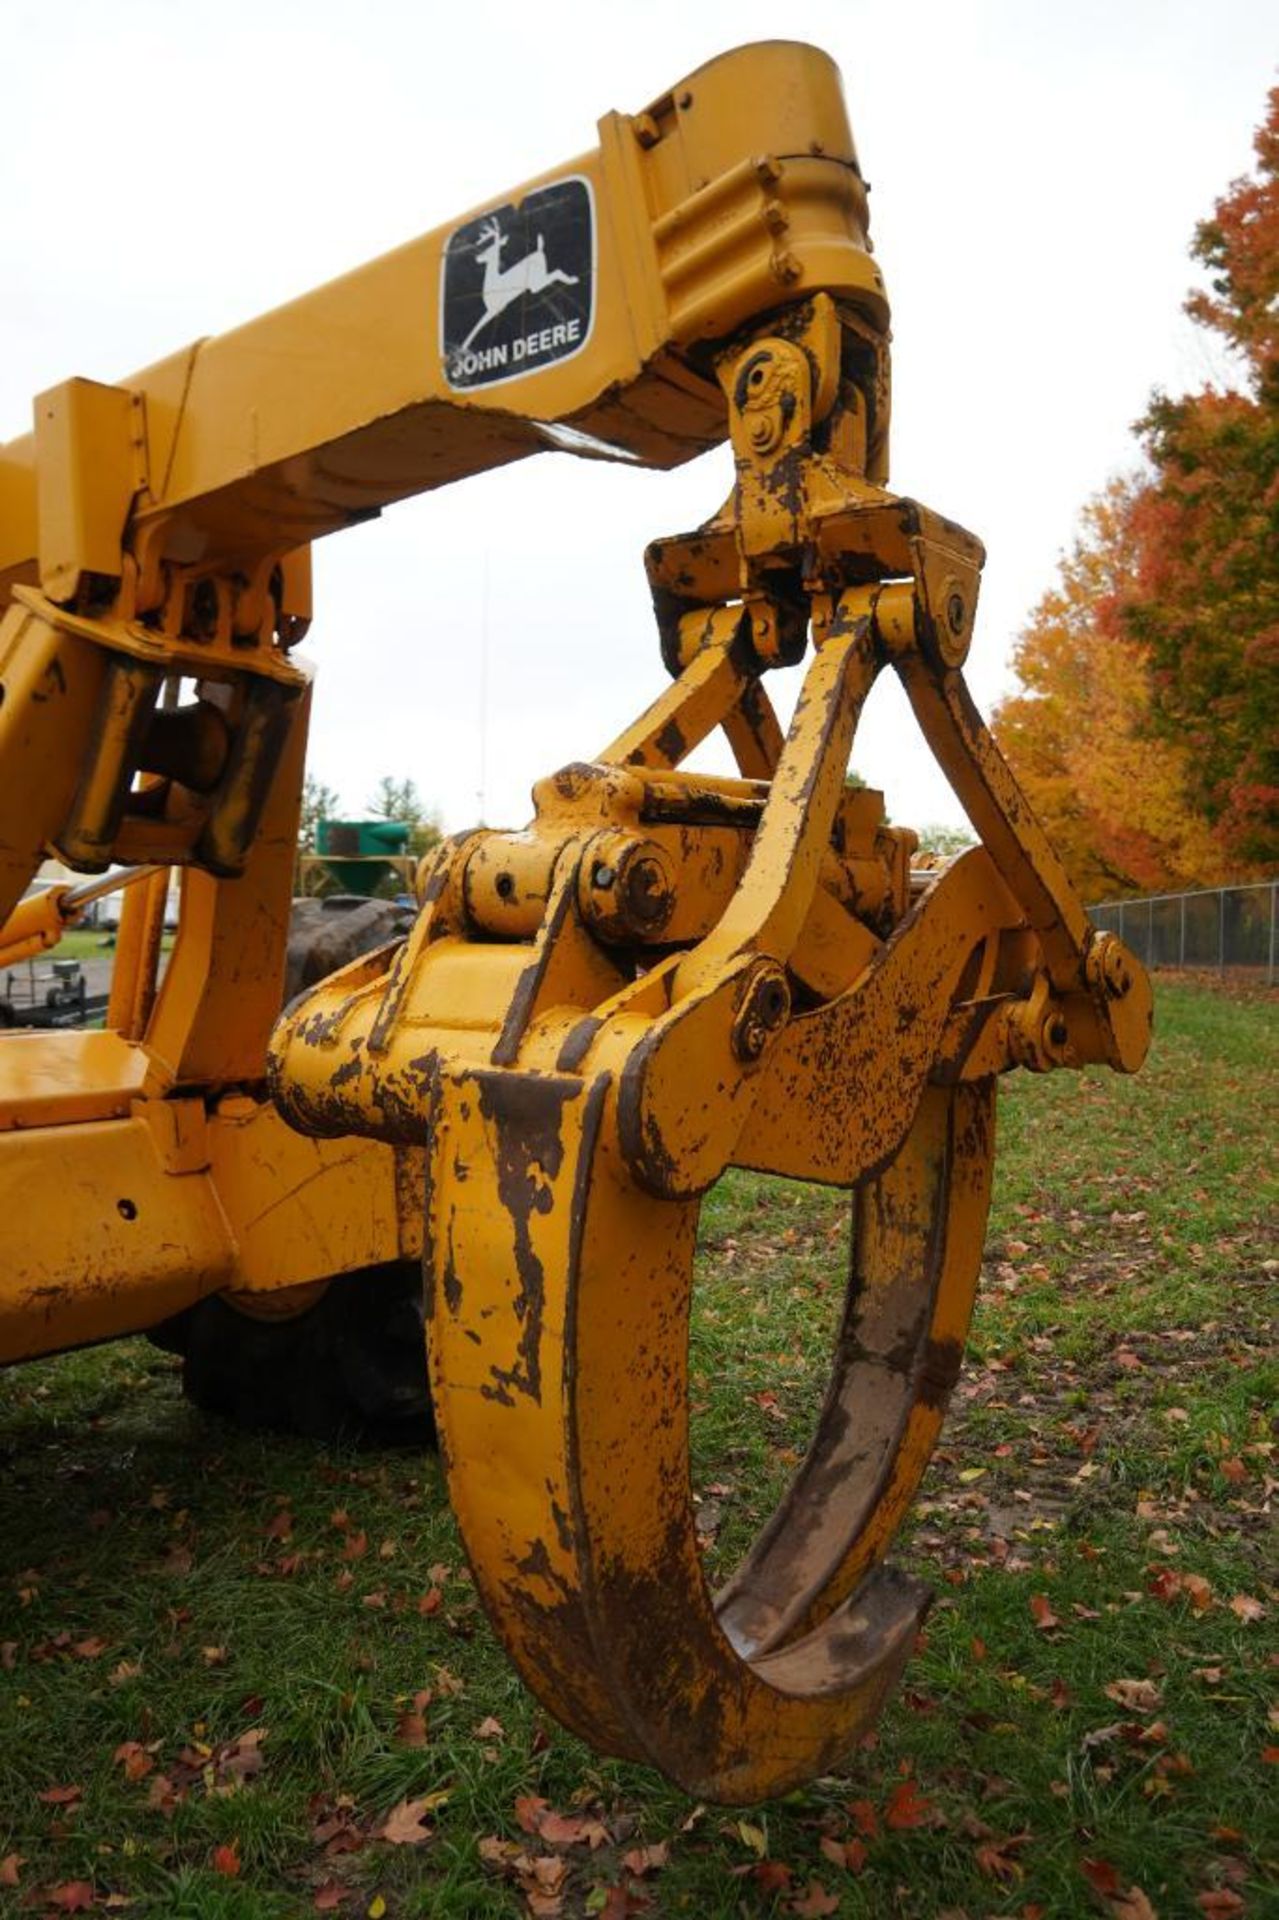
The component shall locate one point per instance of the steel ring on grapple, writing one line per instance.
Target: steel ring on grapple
(559, 1356)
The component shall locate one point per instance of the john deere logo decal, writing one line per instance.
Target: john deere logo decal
(519, 287)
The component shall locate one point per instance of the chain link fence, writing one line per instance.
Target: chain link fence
(1229, 929)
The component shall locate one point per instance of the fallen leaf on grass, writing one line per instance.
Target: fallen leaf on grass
(529, 1810)
(410, 1730)
(576, 1829)
(241, 1759)
(864, 1818)
(616, 1903)
(907, 1808)
(849, 1854)
(11, 1869)
(496, 1852)
(329, 1897)
(642, 1860)
(992, 1858)
(815, 1900)
(60, 1796)
(1139, 1696)
(226, 1860)
(406, 1823)
(753, 1837)
(772, 1875)
(1245, 1608)
(335, 1831)
(1221, 1900)
(1101, 1876)
(1132, 1905)
(541, 1882)
(1042, 1614)
(134, 1758)
(72, 1896)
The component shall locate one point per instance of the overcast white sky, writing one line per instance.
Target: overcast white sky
(168, 170)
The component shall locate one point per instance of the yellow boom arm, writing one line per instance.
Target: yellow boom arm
(734, 193)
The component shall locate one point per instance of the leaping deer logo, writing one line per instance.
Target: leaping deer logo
(504, 284)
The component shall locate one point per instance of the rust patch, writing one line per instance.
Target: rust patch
(527, 1117)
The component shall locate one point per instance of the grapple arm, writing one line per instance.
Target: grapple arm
(668, 974)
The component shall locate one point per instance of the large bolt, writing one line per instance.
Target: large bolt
(627, 891)
(1108, 966)
(764, 1011)
(646, 892)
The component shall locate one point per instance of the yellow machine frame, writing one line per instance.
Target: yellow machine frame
(665, 974)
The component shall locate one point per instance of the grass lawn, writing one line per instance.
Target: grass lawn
(226, 1660)
(85, 943)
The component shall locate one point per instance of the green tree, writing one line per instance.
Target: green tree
(400, 800)
(319, 802)
(943, 840)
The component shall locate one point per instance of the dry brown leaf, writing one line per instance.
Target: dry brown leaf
(642, 1860)
(1138, 1696)
(864, 1818)
(241, 1759)
(406, 1824)
(134, 1758)
(848, 1854)
(11, 1869)
(907, 1808)
(73, 1896)
(1132, 1905)
(495, 1852)
(1245, 1608)
(815, 1900)
(529, 1810)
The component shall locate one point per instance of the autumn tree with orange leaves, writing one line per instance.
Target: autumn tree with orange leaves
(1147, 731)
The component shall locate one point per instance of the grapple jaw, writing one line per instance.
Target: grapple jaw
(667, 974)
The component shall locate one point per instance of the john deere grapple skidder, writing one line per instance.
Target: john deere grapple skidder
(667, 973)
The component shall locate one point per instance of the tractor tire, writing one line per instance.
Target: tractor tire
(351, 1366)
